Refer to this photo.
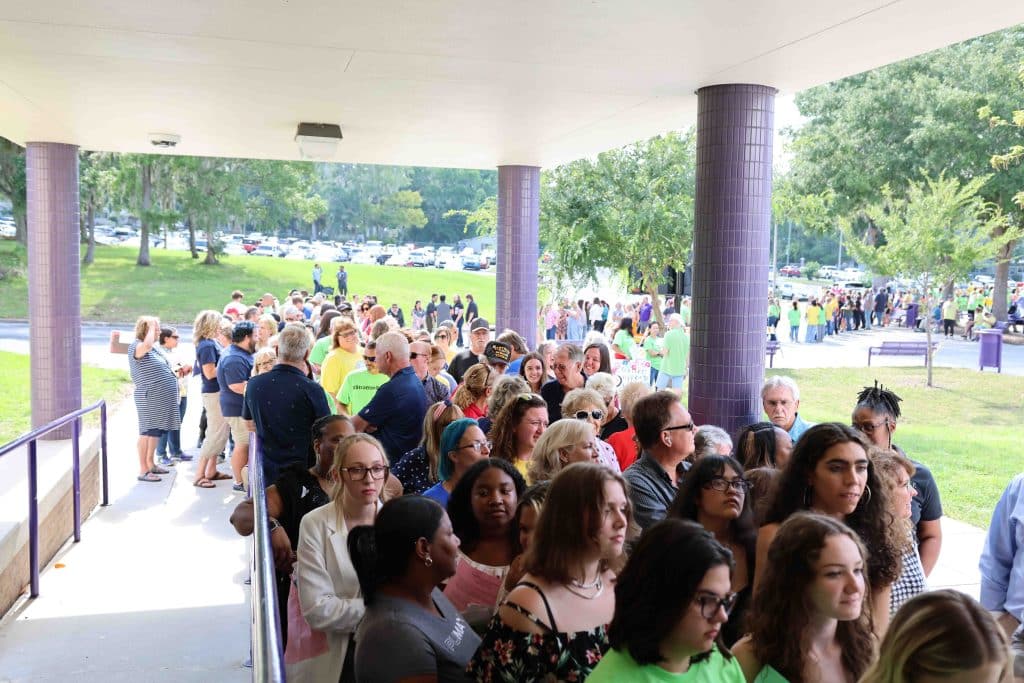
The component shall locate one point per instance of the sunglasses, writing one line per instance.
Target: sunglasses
(413, 355)
(370, 359)
(583, 415)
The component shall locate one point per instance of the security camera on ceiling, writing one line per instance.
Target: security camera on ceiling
(164, 140)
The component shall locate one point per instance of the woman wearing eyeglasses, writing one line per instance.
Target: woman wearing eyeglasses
(443, 339)
(810, 619)
(714, 494)
(588, 405)
(671, 602)
(462, 444)
(328, 585)
(481, 508)
(343, 357)
(553, 624)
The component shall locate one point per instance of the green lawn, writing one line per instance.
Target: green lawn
(175, 287)
(15, 405)
(966, 428)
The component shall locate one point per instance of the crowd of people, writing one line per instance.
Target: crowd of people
(442, 511)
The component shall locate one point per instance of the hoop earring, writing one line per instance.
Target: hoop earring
(428, 561)
(867, 490)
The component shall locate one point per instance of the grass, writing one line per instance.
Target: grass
(175, 287)
(966, 428)
(15, 403)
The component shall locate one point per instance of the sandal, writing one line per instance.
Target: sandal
(204, 483)
(158, 470)
(148, 476)
(220, 476)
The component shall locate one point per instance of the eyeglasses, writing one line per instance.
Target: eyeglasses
(441, 336)
(722, 484)
(710, 604)
(908, 485)
(583, 414)
(688, 427)
(413, 355)
(870, 427)
(358, 473)
(370, 359)
(476, 446)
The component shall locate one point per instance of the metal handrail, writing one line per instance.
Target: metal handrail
(267, 648)
(30, 438)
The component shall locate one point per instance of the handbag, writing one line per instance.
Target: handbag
(304, 642)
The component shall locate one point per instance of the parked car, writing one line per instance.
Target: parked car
(421, 259)
(790, 270)
(250, 244)
(398, 260)
(268, 250)
(471, 262)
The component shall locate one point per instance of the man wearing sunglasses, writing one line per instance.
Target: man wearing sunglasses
(664, 430)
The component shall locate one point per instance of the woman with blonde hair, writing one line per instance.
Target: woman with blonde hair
(518, 428)
(588, 405)
(474, 391)
(565, 442)
(328, 585)
(942, 636)
(266, 329)
(206, 333)
(263, 360)
(418, 469)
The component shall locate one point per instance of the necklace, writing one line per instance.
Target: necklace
(573, 585)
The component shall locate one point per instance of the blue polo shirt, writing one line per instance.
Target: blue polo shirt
(207, 351)
(397, 411)
(235, 367)
(284, 404)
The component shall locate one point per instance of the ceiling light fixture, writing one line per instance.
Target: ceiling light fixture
(318, 140)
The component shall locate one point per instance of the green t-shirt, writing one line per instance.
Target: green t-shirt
(624, 340)
(654, 344)
(620, 667)
(769, 675)
(319, 350)
(677, 352)
(773, 311)
(358, 389)
(794, 317)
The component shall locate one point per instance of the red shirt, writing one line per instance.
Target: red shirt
(474, 412)
(625, 447)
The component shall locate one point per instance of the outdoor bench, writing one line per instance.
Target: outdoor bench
(770, 350)
(901, 348)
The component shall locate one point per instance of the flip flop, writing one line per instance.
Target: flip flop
(148, 476)
(204, 484)
(220, 476)
(158, 470)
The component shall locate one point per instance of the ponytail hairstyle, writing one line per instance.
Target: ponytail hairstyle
(381, 553)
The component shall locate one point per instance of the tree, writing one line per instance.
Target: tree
(97, 173)
(938, 230)
(630, 207)
(446, 193)
(13, 186)
(885, 126)
(1015, 154)
(395, 213)
(483, 220)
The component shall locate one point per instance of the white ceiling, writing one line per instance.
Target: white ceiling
(462, 83)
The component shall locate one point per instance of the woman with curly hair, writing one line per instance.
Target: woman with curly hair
(474, 391)
(517, 428)
(715, 494)
(830, 473)
(809, 620)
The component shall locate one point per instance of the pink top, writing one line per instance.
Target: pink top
(474, 584)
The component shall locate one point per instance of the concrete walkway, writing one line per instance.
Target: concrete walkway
(155, 591)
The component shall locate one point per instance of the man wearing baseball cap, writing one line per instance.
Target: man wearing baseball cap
(479, 335)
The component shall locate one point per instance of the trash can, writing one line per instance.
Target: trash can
(990, 349)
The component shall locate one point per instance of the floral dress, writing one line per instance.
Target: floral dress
(509, 656)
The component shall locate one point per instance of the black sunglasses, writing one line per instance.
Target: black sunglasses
(370, 359)
(688, 427)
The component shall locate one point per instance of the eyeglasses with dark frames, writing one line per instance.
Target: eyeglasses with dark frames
(710, 604)
(722, 484)
(358, 472)
(688, 427)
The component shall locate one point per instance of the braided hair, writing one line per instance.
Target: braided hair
(880, 400)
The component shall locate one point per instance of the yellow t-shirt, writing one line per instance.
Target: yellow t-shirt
(336, 367)
(812, 315)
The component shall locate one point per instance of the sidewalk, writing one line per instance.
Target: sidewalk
(155, 591)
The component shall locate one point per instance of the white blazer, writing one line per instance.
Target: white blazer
(328, 591)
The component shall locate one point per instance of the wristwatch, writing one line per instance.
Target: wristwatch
(274, 525)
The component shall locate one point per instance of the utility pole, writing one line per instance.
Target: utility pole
(775, 253)
(839, 262)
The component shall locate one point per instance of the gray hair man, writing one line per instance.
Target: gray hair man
(780, 398)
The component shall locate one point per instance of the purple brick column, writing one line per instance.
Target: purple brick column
(54, 303)
(518, 221)
(732, 216)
